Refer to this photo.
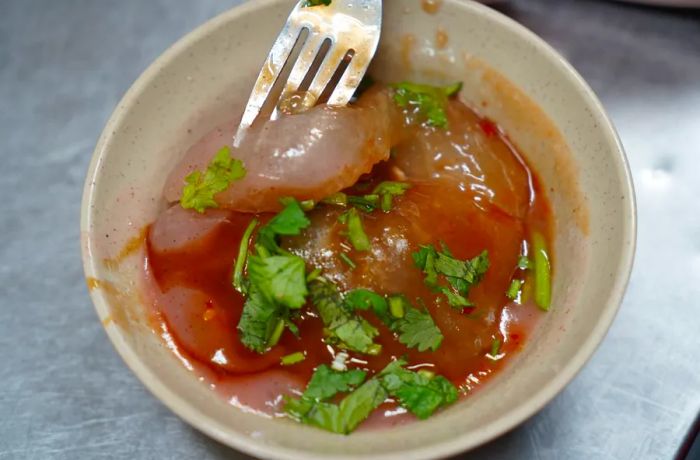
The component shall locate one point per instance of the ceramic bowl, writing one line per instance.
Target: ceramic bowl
(510, 75)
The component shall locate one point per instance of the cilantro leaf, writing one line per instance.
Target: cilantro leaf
(418, 330)
(364, 299)
(288, 222)
(201, 187)
(349, 330)
(416, 392)
(317, 3)
(427, 101)
(280, 279)
(258, 322)
(326, 383)
(356, 233)
(460, 275)
(340, 418)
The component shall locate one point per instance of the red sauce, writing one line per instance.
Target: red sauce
(199, 310)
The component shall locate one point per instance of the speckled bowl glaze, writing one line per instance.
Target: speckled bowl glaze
(510, 75)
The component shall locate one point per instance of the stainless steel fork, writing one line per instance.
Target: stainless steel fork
(350, 27)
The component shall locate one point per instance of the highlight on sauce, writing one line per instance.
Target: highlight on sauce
(352, 267)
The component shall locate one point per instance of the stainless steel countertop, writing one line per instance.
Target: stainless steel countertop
(64, 392)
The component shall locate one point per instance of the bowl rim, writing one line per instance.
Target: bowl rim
(524, 410)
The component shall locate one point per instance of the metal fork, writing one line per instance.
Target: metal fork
(352, 27)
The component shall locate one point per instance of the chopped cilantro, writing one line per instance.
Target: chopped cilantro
(326, 383)
(242, 256)
(388, 190)
(280, 279)
(427, 101)
(340, 418)
(418, 330)
(422, 393)
(417, 392)
(514, 289)
(290, 221)
(200, 188)
(364, 299)
(292, 359)
(347, 329)
(276, 282)
(356, 233)
(415, 328)
(259, 322)
(461, 275)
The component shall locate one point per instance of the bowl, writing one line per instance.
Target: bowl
(510, 75)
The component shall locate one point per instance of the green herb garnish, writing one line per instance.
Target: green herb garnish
(427, 101)
(276, 283)
(292, 359)
(260, 322)
(514, 289)
(419, 393)
(280, 279)
(289, 222)
(356, 232)
(326, 383)
(495, 348)
(415, 328)
(200, 188)
(238, 283)
(543, 272)
(388, 190)
(342, 326)
(461, 275)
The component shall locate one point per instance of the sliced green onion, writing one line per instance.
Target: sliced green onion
(348, 261)
(242, 256)
(356, 233)
(276, 333)
(514, 289)
(543, 273)
(292, 359)
(396, 306)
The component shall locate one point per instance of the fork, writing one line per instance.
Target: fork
(351, 28)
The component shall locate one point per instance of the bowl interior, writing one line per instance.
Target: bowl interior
(510, 76)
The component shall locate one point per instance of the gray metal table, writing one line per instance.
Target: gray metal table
(65, 394)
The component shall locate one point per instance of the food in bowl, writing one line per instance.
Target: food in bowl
(358, 266)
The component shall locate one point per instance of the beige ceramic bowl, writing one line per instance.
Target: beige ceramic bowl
(553, 117)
